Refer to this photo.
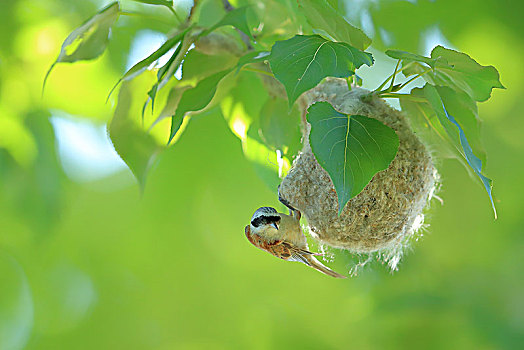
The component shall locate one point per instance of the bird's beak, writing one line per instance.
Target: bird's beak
(274, 225)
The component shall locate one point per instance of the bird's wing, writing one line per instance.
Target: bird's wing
(280, 249)
(260, 243)
(289, 252)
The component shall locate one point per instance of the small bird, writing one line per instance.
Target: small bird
(280, 235)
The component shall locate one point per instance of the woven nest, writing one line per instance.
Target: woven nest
(389, 210)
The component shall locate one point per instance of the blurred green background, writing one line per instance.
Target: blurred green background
(86, 262)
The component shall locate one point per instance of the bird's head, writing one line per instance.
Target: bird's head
(265, 218)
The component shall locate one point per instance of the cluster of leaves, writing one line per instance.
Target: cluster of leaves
(240, 58)
(445, 108)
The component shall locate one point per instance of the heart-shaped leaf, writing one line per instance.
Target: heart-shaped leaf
(300, 63)
(321, 15)
(351, 148)
(88, 41)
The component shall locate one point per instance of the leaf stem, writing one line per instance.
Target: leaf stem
(384, 83)
(413, 78)
(394, 76)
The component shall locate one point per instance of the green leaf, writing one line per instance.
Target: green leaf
(464, 109)
(149, 60)
(241, 109)
(300, 63)
(252, 57)
(162, 78)
(171, 104)
(408, 57)
(198, 65)
(456, 133)
(166, 3)
(352, 149)
(206, 13)
(135, 146)
(88, 41)
(236, 18)
(195, 99)
(280, 129)
(242, 106)
(267, 164)
(321, 15)
(454, 69)
(466, 74)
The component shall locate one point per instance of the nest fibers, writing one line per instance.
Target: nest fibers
(386, 214)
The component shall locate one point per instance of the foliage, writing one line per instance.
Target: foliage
(83, 261)
(300, 63)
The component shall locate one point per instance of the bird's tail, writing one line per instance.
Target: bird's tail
(317, 265)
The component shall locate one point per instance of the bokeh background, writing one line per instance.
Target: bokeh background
(87, 262)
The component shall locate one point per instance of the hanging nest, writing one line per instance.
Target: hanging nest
(386, 214)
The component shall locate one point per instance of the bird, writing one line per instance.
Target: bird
(281, 235)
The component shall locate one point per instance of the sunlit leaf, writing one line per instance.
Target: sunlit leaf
(280, 128)
(198, 65)
(301, 62)
(134, 145)
(269, 165)
(321, 15)
(146, 62)
(162, 78)
(88, 41)
(454, 69)
(242, 109)
(243, 104)
(236, 18)
(351, 148)
(207, 13)
(195, 99)
(454, 129)
(171, 104)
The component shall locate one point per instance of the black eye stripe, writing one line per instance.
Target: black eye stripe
(264, 220)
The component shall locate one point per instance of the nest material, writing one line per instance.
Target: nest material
(389, 209)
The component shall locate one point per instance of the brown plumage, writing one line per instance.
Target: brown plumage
(284, 239)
